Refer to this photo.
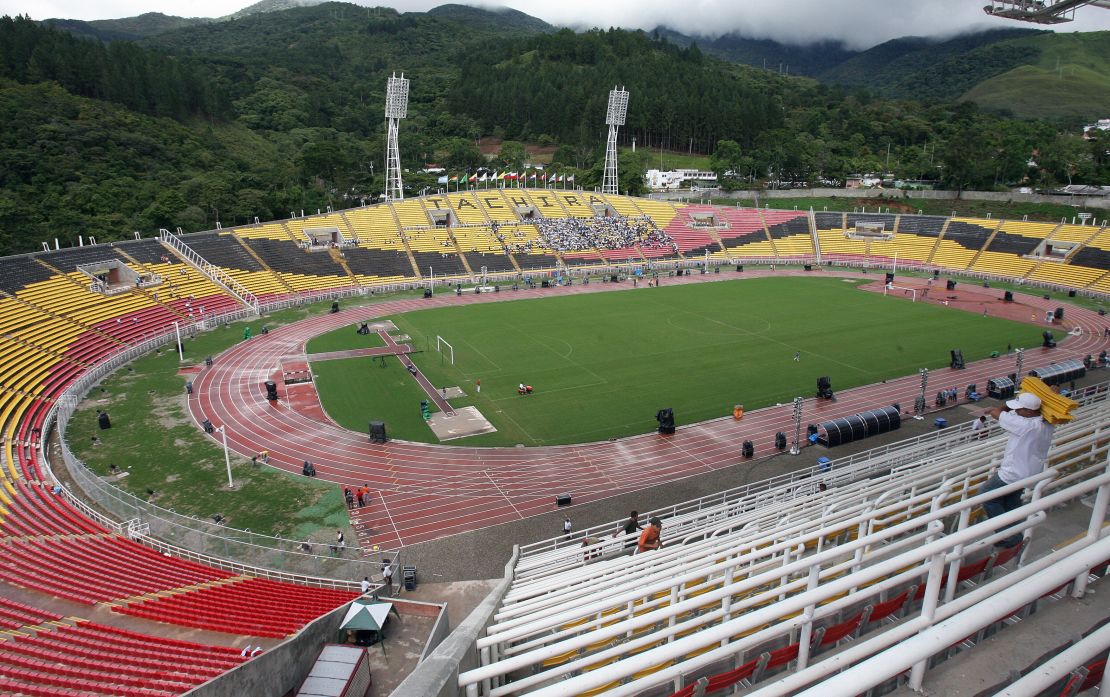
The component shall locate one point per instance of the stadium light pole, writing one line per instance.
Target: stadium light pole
(614, 118)
(180, 351)
(795, 447)
(227, 457)
(396, 108)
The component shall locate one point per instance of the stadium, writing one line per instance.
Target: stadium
(792, 394)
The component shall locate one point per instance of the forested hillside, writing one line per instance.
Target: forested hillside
(282, 111)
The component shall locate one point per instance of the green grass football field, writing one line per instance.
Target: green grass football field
(603, 364)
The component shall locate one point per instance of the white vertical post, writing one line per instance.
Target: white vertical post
(180, 351)
(227, 458)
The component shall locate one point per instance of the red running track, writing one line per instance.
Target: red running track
(428, 491)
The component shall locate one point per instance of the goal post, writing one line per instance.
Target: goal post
(442, 343)
(890, 288)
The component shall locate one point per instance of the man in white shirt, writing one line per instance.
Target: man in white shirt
(1029, 438)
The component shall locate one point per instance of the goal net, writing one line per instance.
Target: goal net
(446, 350)
(891, 289)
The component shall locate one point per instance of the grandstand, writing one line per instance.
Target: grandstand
(809, 571)
(785, 574)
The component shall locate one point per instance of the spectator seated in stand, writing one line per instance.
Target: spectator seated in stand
(578, 235)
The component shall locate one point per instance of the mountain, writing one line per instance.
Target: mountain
(128, 28)
(283, 110)
(897, 67)
(263, 6)
(808, 60)
(1065, 77)
(504, 17)
(1023, 72)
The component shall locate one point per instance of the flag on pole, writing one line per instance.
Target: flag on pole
(533, 177)
(473, 178)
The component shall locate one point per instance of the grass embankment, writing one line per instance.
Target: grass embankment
(155, 441)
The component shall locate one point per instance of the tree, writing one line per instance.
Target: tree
(512, 155)
(967, 159)
(461, 154)
(1067, 157)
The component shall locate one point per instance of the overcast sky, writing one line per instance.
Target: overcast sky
(858, 23)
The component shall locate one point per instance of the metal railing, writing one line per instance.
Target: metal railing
(240, 551)
(215, 273)
(849, 468)
(681, 612)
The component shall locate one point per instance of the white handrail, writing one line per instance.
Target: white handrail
(213, 272)
(859, 465)
(934, 553)
(525, 652)
(913, 650)
(1057, 668)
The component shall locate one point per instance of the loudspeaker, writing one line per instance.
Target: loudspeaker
(957, 359)
(427, 292)
(1008, 296)
(739, 267)
(408, 577)
(748, 448)
(271, 390)
(936, 273)
(562, 500)
(334, 306)
(665, 417)
(545, 283)
(497, 289)
(889, 277)
(104, 421)
(950, 284)
(1046, 296)
(824, 388)
(808, 267)
(1059, 314)
(207, 426)
(780, 440)
(377, 432)
(1049, 340)
(614, 278)
(1071, 293)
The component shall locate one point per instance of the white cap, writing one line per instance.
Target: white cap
(1025, 400)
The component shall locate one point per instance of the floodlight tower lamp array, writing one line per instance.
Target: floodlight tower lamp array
(1041, 11)
(614, 118)
(396, 108)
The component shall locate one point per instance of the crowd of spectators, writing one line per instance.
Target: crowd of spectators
(602, 232)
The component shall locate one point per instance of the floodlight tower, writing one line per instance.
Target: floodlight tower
(396, 108)
(614, 118)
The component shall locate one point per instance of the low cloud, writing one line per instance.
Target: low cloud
(856, 23)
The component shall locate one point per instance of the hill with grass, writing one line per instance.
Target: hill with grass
(1066, 77)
